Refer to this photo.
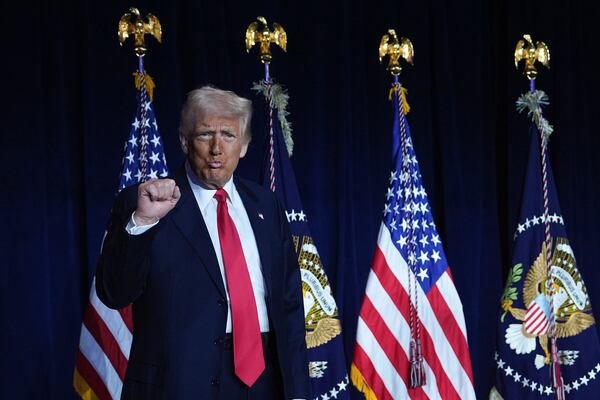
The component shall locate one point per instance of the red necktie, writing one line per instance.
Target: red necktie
(247, 343)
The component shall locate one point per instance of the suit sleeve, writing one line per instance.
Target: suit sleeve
(292, 353)
(123, 264)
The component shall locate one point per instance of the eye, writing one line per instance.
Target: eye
(228, 136)
(203, 135)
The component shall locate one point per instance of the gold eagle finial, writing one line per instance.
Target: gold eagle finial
(258, 31)
(132, 23)
(391, 46)
(525, 50)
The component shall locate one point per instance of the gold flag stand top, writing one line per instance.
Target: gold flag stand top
(525, 50)
(132, 24)
(533, 101)
(391, 46)
(258, 32)
(395, 48)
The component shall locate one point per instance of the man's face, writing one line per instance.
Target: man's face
(214, 149)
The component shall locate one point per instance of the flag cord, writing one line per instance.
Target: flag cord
(417, 371)
(550, 288)
(271, 141)
(143, 93)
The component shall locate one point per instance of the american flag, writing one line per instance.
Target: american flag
(410, 295)
(106, 334)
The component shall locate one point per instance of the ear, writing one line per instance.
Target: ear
(184, 144)
(244, 149)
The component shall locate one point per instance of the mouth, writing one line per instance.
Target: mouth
(215, 164)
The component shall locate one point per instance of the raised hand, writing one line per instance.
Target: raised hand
(156, 198)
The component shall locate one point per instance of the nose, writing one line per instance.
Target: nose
(215, 145)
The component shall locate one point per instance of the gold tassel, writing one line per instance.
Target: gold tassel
(404, 101)
(149, 83)
(393, 90)
(359, 382)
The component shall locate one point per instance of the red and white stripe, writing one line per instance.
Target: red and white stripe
(536, 322)
(104, 345)
(383, 332)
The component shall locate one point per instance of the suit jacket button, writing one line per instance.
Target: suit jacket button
(218, 342)
(215, 382)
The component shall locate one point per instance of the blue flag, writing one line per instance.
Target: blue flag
(523, 356)
(327, 365)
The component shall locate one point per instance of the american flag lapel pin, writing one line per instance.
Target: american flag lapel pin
(261, 216)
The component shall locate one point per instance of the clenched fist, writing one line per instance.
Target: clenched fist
(156, 198)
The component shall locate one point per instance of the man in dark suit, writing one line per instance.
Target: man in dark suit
(207, 261)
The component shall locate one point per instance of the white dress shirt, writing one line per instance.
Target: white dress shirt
(208, 207)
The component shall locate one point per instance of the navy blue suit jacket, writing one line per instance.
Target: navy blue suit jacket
(171, 275)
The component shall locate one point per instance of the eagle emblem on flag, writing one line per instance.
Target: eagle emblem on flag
(571, 305)
(320, 310)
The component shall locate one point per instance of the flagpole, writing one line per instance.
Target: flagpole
(258, 32)
(395, 48)
(326, 364)
(389, 360)
(92, 377)
(271, 135)
(531, 54)
(267, 72)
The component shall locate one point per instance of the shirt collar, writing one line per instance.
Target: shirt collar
(204, 195)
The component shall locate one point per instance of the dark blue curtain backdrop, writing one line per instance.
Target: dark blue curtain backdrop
(68, 100)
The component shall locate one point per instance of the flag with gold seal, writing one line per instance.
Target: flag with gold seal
(327, 365)
(545, 296)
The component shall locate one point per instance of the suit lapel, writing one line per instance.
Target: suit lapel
(187, 217)
(257, 215)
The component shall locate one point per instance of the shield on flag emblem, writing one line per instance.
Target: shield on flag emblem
(537, 318)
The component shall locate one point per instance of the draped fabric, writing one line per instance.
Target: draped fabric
(68, 99)
(524, 369)
(411, 338)
(106, 335)
(324, 336)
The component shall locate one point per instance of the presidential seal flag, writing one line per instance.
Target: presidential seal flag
(544, 288)
(411, 339)
(106, 334)
(327, 366)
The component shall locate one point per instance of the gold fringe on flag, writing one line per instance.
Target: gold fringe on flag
(361, 384)
(393, 90)
(149, 83)
(82, 387)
